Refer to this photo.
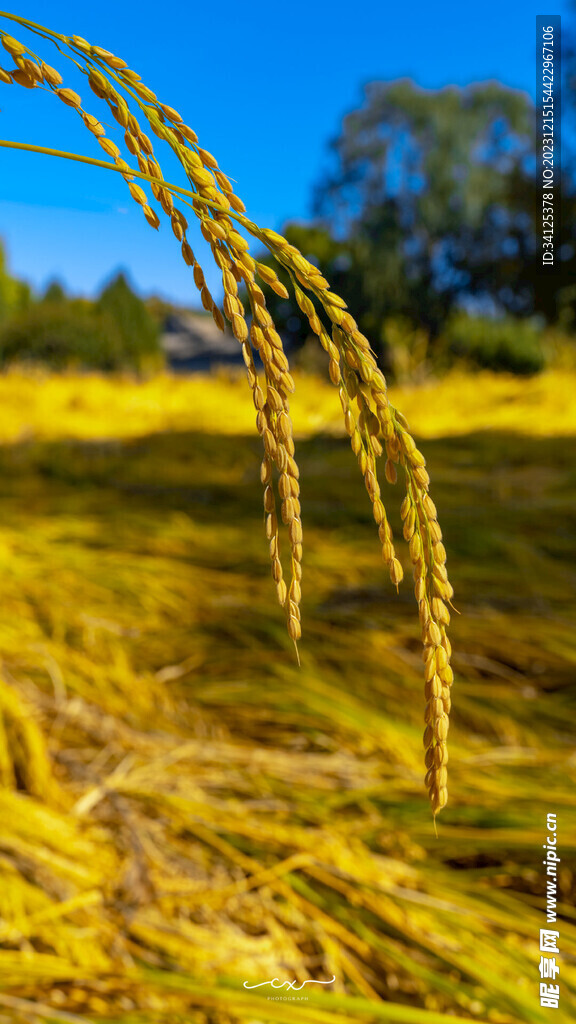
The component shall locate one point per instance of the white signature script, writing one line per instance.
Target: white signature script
(290, 985)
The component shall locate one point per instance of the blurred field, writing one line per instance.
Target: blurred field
(43, 407)
(184, 808)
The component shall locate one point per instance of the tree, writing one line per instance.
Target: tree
(61, 335)
(54, 293)
(433, 193)
(15, 295)
(138, 330)
(115, 333)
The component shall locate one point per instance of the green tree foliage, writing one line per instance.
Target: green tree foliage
(437, 189)
(117, 332)
(506, 343)
(138, 330)
(15, 295)
(62, 335)
(54, 293)
(432, 202)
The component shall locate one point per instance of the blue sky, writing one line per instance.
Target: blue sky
(265, 85)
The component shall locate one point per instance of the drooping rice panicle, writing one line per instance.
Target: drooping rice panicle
(375, 428)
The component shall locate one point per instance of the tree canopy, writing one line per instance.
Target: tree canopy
(440, 184)
(429, 205)
(115, 332)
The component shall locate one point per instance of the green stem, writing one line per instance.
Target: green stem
(26, 23)
(32, 148)
(46, 151)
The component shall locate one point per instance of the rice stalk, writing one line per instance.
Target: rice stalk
(376, 428)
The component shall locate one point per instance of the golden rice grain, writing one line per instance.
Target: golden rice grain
(81, 43)
(151, 216)
(396, 571)
(108, 58)
(12, 45)
(170, 113)
(390, 472)
(93, 125)
(97, 81)
(138, 194)
(30, 67)
(21, 78)
(69, 97)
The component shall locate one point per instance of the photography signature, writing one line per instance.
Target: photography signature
(290, 985)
